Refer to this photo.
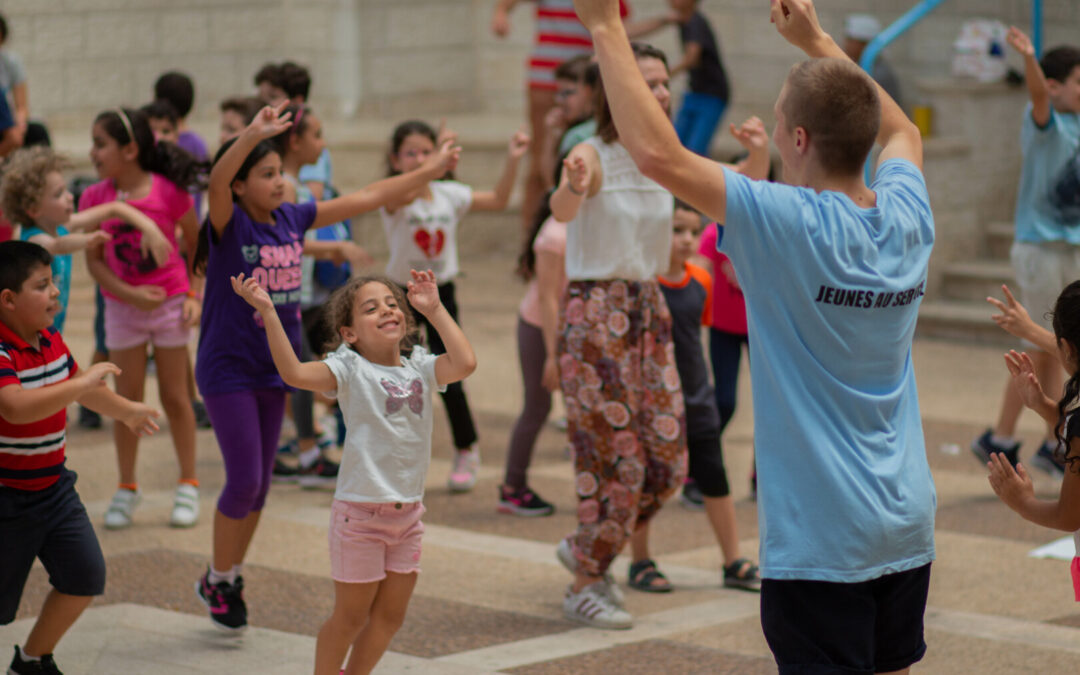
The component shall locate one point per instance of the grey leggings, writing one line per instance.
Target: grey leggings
(537, 404)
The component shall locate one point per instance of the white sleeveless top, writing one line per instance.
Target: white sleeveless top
(624, 230)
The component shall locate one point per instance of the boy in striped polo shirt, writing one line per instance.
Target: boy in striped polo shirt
(41, 515)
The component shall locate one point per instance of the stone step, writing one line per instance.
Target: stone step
(999, 239)
(974, 280)
(961, 320)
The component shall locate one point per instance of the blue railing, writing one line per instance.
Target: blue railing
(918, 13)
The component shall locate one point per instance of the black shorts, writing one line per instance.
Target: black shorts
(818, 627)
(51, 525)
(707, 465)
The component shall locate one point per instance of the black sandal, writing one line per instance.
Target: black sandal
(742, 574)
(642, 575)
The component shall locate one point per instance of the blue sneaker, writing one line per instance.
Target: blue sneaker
(1047, 459)
(984, 446)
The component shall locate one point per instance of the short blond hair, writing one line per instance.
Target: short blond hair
(22, 183)
(837, 103)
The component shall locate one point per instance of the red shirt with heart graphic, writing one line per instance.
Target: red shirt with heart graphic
(423, 234)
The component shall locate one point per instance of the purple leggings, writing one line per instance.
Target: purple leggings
(247, 425)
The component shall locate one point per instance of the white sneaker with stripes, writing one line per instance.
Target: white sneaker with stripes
(593, 606)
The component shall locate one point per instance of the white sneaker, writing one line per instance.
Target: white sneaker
(592, 607)
(122, 508)
(463, 472)
(565, 554)
(185, 508)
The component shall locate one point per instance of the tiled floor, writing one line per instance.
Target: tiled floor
(489, 598)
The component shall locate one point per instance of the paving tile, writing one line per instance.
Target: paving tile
(652, 656)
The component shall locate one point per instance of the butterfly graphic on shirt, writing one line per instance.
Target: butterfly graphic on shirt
(398, 397)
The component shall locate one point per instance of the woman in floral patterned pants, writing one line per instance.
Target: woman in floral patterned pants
(624, 408)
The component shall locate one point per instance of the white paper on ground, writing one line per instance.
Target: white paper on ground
(1061, 549)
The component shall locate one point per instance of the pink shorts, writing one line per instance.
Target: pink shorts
(369, 540)
(127, 326)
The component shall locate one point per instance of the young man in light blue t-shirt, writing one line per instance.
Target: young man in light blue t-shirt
(1046, 247)
(833, 271)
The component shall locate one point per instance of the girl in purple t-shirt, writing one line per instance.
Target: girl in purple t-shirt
(147, 302)
(251, 230)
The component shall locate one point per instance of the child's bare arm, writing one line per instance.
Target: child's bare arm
(154, 242)
(1014, 319)
(1033, 75)
(146, 297)
(138, 417)
(310, 375)
(1022, 370)
(387, 190)
(70, 243)
(1014, 487)
(459, 361)
(497, 199)
(752, 135)
(24, 406)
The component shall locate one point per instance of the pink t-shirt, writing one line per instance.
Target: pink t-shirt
(165, 205)
(728, 304)
(551, 239)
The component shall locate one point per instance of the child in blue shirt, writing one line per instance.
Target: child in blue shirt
(832, 271)
(1046, 250)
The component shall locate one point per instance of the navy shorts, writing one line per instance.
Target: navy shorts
(51, 525)
(818, 627)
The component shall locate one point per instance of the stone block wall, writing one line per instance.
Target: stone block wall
(398, 57)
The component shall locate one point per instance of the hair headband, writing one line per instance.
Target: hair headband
(127, 125)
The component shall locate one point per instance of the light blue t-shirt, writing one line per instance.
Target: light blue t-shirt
(832, 295)
(1048, 180)
(320, 171)
(61, 271)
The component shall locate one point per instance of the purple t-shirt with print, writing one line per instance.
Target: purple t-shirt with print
(233, 351)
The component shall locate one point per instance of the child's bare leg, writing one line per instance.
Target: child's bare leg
(1011, 407)
(721, 514)
(57, 615)
(131, 384)
(639, 543)
(352, 606)
(232, 537)
(386, 616)
(172, 368)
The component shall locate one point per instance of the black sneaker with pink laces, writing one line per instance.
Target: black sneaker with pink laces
(523, 502)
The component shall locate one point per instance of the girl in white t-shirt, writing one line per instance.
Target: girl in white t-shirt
(421, 231)
(383, 384)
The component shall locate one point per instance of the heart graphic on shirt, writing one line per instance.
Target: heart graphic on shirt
(431, 245)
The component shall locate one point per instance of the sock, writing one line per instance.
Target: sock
(23, 656)
(309, 456)
(193, 482)
(1002, 441)
(236, 569)
(134, 487)
(216, 577)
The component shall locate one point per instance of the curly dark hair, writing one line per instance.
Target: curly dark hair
(339, 309)
(1066, 322)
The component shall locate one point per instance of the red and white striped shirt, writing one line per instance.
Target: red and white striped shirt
(32, 455)
(559, 38)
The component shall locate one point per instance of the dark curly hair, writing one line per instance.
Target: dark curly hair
(1066, 322)
(339, 310)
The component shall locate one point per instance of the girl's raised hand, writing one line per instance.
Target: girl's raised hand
(271, 121)
(1013, 318)
(1022, 370)
(751, 134)
(252, 293)
(1019, 41)
(1012, 486)
(445, 159)
(577, 174)
(424, 292)
(519, 144)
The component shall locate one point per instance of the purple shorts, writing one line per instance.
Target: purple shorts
(127, 327)
(369, 540)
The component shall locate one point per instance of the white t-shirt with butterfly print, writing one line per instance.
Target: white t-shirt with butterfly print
(423, 234)
(388, 421)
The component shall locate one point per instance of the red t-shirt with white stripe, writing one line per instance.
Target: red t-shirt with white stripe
(32, 455)
(560, 36)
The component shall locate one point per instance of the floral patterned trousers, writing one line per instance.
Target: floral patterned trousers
(624, 409)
